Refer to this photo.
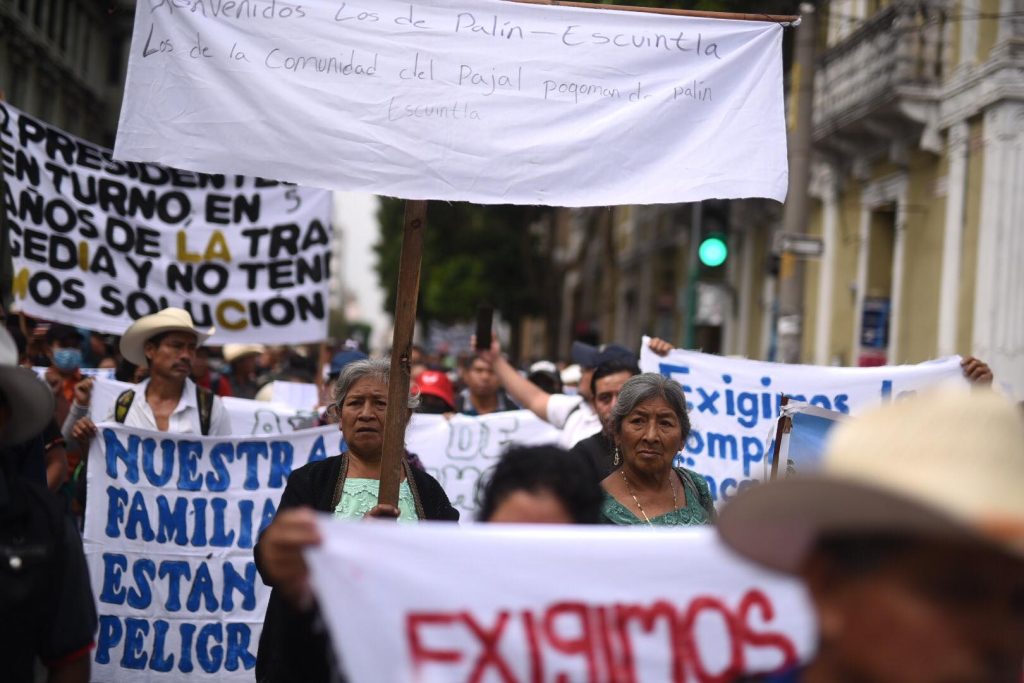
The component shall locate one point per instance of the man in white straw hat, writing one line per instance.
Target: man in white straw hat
(168, 400)
(910, 540)
(46, 605)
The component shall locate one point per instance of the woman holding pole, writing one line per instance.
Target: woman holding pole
(290, 648)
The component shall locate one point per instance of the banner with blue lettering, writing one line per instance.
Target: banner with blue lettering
(734, 404)
(169, 530)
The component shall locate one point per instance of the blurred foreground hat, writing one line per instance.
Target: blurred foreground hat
(588, 356)
(343, 358)
(29, 401)
(168, 320)
(233, 352)
(436, 383)
(947, 464)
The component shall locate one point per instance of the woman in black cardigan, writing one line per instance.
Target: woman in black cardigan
(293, 647)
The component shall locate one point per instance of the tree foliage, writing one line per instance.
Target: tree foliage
(471, 255)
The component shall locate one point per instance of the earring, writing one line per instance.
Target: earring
(616, 459)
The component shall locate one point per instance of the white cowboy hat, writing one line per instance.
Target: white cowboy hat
(948, 464)
(28, 399)
(168, 320)
(233, 352)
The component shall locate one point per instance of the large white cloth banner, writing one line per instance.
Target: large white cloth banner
(734, 404)
(459, 451)
(169, 530)
(98, 243)
(435, 602)
(470, 100)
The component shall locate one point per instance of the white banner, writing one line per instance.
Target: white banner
(258, 418)
(98, 243)
(458, 452)
(469, 100)
(435, 602)
(169, 530)
(734, 404)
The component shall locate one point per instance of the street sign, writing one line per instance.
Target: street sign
(807, 246)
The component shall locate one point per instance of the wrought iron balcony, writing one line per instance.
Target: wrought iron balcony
(865, 83)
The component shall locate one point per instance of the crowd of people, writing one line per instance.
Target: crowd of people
(910, 540)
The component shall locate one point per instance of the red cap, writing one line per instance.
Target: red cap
(436, 383)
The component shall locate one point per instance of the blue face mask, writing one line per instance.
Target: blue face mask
(67, 359)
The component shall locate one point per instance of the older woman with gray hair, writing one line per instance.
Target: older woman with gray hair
(649, 426)
(346, 485)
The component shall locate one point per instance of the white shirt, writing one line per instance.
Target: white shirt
(184, 419)
(574, 417)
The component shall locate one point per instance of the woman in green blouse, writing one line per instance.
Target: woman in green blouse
(650, 426)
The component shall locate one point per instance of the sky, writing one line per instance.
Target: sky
(355, 217)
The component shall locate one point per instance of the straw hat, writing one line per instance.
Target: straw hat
(947, 464)
(168, 320)
(28, 399)
(233, 352)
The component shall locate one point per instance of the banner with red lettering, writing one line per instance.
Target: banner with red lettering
(439, 602)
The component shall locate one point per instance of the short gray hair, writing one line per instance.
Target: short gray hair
(378, 369)
(640, 388)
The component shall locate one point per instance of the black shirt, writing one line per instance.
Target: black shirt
(599, 451)
(294, 645)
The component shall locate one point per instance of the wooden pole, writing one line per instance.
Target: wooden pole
(398, 384)
(784, 19)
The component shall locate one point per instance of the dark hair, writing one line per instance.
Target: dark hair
(125, 371)
(156, 339)
(542, 468)
(861, 553)
(433, 405)
(549, 381)
(612, 367)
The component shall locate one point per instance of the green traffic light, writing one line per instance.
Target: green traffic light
(713, 252)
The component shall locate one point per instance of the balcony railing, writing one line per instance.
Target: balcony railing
(899, 49)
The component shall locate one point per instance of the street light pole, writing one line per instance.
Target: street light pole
(789, 324)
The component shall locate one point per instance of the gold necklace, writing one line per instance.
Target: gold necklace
(629, 490)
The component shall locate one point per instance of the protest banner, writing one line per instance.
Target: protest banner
(539, 603)
(169, 532)
(98, 242)
(257, 418)
(459, 451)
(462, 100)
(734, 404)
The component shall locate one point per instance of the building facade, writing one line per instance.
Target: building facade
(64, 61)
(918, 200)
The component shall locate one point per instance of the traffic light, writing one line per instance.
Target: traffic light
(713, 250)
(713, 242)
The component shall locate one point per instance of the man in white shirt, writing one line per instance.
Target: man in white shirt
(168, 400)
(574, 415)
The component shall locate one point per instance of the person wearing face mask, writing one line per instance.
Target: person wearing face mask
(64, 373)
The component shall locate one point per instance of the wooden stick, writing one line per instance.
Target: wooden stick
(792, 19)
(401, 347)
